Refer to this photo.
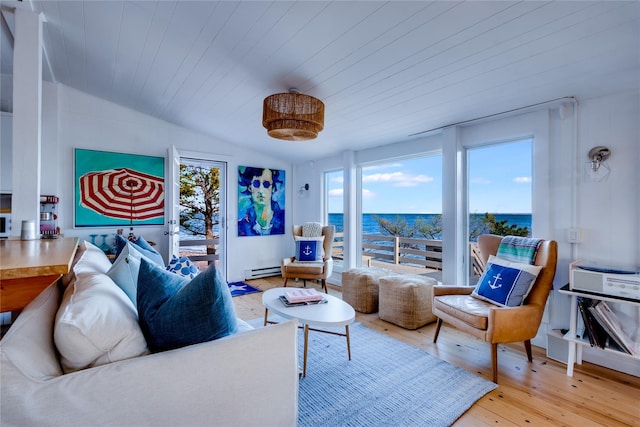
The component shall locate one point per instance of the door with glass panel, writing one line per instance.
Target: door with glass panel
(202, 217)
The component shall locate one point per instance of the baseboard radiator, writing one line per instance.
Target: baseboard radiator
(257, 273)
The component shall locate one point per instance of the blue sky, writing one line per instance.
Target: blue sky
(499, 182)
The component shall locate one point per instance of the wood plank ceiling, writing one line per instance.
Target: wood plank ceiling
(385, 70)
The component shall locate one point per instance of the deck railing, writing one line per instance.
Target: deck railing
(426, 253)
(403, 250)
(193, 249)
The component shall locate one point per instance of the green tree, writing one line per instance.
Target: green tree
(398, 227)
(429, 229)
(502, 228)
(432, 229)
(199, 197)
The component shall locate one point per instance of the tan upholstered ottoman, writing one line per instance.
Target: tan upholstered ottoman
(360, 288)
(406, 300)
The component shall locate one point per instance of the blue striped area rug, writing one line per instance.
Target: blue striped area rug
(386, 383)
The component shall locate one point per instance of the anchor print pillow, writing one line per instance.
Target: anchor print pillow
(309, 249)
(506, 283)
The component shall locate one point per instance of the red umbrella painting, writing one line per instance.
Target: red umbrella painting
(123, 193)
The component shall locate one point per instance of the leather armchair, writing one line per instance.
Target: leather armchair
(492, 323)
(291, 269)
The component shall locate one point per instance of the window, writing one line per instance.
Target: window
(334, 191)
(499, 192)
(401, 221)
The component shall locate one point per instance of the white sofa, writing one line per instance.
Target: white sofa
(246, 379)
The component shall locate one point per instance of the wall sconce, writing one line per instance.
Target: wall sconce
(596, 168)
(303, 191)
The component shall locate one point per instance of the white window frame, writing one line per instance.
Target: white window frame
(456, 141)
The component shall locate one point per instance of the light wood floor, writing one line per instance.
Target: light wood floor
(531, 394)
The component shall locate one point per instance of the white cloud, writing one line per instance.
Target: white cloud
(522, 179)
(481, 180)
(368, 194)
(397, 179)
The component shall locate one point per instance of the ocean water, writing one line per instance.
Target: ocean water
(370, 224)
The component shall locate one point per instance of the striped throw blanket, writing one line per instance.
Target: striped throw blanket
(519, 249)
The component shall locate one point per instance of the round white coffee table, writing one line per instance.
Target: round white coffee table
(333, 313)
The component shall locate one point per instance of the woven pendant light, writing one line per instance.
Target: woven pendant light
(293, 116)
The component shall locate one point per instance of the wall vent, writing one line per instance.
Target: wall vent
(257, 273)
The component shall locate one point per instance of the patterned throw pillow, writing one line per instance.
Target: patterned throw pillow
(311, 229)
(175, 312)
(506, 283)
(309, 249)
(183, 267)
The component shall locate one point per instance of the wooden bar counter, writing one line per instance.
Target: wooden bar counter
(27, 267)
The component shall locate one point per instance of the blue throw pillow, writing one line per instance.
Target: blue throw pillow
(141, 246)
(183, 267)
(175, 311)
(309, 249)
(506, 283)
(124, 271)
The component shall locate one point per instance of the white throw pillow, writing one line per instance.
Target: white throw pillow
(96, 324)
(88, 259)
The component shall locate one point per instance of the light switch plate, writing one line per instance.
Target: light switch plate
(574, 235)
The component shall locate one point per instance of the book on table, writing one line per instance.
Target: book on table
(302, 296)
(286, 303)
(296, 295)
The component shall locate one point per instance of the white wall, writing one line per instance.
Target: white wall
(309, 207)
(73, 119)
(608, 211)
(6, 152)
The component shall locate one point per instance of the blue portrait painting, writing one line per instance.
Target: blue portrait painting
(261, 201)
